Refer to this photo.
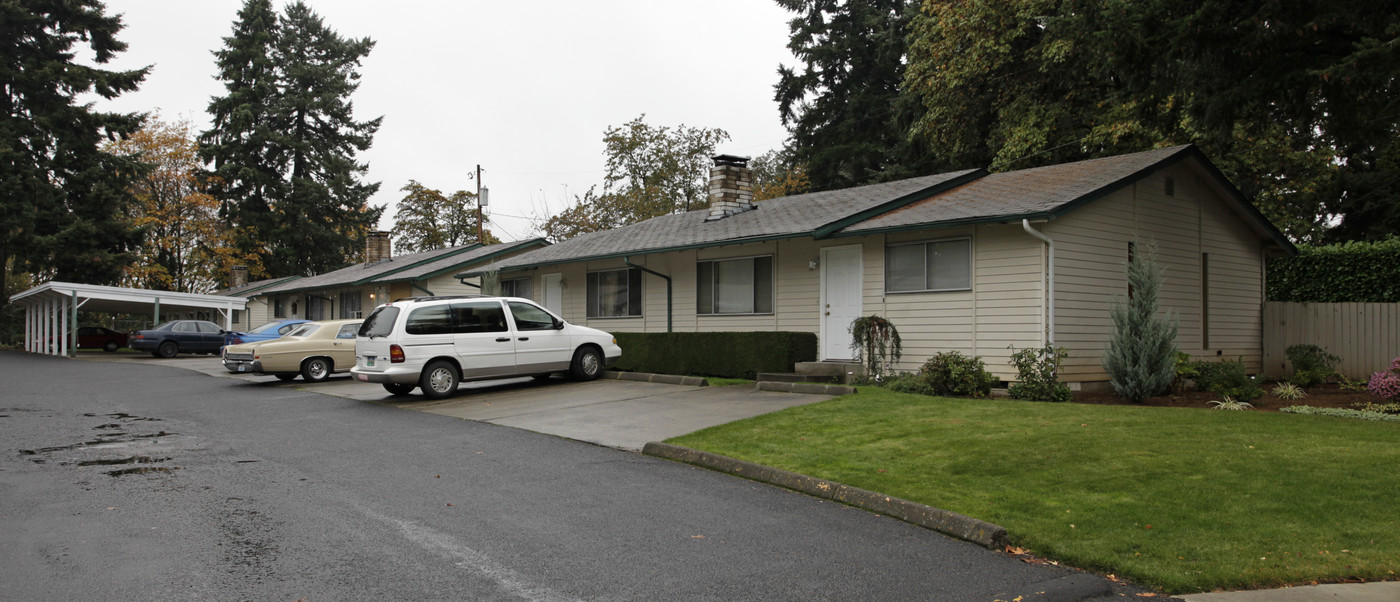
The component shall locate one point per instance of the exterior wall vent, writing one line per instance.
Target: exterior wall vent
(1169, 187)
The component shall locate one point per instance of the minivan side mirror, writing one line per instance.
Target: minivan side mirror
(558, 324)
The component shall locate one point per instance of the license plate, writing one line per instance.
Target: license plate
(242, 367)
(369, 362)
(362, 377)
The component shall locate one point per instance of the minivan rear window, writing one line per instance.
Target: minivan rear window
(380, 323)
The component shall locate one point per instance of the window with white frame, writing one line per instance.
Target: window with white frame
(941, 265)
(615, 293)
(734, 286)
(279, 309)
(516, 287)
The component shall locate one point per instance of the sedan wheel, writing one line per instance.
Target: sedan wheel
(315, 369)
(110, 346)
(587, 364)
(439, 380)
(168, 349)
(398, 389)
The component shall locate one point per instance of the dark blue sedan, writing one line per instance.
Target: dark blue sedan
(178, 336)
(266, 332)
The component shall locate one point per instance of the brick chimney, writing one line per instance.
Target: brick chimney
(377, 247)
(731, 187)
(237, 276)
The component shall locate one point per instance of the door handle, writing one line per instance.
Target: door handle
(523, 339)
(502, 339)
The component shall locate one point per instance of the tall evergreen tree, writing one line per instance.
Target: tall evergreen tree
(842, 107)
(1141, 356)
(284, 140)
(249, 171)
(62, 197)
(325, 215)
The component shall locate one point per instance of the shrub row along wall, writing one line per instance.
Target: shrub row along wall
(1355, 272)
(719, 354)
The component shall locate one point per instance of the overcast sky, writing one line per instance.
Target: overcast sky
(524, 89)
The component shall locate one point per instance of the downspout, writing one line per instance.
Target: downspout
(1049, 279)
(464, 282)
(414, 284)
(628, 260)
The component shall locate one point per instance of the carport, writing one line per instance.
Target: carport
(51, 310)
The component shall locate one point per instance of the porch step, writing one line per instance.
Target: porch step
(848, 371)
(810, 388)
(793, 377)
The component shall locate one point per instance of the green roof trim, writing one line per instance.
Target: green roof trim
(271, 282)
(619, 255)
(521, 246)
(855, 218)
(368, 279)
(953, 223)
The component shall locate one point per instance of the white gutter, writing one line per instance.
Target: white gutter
(1049, 279)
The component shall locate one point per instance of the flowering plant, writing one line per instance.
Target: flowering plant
(1386, 384)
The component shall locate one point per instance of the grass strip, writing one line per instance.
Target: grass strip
(1180, 499)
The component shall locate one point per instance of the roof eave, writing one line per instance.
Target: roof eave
(952, 223)
(534, 242)
(654, 251)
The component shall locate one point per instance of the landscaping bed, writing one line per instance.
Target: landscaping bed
(1328, 395)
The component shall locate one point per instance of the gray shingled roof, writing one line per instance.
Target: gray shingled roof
(1039, 191)
(457, 262)
(253, 287)
(364, 272)
(785, 217)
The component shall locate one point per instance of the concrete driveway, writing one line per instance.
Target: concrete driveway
(615, 413)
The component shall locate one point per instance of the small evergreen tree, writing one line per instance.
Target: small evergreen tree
(1141, 355)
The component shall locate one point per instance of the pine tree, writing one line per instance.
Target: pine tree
(62, 198)
(843, 107)
(1141, 356)
(325, 215)
(284, 139)
(240, 143)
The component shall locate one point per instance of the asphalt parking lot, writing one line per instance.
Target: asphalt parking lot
(614, 413)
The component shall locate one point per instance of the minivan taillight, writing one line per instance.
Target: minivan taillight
(395, 354)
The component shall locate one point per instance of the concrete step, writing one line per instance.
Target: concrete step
(792, 377)
(849, 370)
(811, 388)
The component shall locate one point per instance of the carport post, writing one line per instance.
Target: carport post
(157, 316)
(72, 335)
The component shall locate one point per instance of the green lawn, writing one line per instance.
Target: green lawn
(1180, 499)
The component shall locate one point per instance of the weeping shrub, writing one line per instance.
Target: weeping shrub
(876, 341)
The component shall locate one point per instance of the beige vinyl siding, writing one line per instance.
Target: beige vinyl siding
(1092, 246)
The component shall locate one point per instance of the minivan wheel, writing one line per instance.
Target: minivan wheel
(587, 364)
(398, 389)
(439, 380)
(315, 369)
(168, 349)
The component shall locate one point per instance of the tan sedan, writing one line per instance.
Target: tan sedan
(314, 350)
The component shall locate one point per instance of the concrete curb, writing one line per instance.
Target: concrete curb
(963, 527)
(666, 379)
(810, 388)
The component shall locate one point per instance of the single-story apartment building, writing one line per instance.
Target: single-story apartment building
(354, 291)
(966, 261)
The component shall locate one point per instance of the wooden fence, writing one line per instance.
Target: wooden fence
(1365, 335)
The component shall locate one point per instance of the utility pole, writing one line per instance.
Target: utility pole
(480, 227)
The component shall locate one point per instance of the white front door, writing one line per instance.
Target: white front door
(841, 300)
(553, 293)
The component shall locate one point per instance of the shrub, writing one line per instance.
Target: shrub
(1036, 369)
(1227, 378)
(1141, 356)
(1312, 365)
(876, 341)
(908, 382)
(722, 354)
(1386, 385)
(952, 373)
(1185, 370)
(1231, 404)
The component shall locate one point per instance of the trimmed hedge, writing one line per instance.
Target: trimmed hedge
(1356, 272)
(719, 354)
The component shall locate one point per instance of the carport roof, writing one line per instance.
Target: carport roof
(114, 299)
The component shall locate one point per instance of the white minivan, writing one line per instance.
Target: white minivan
(437, 342)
